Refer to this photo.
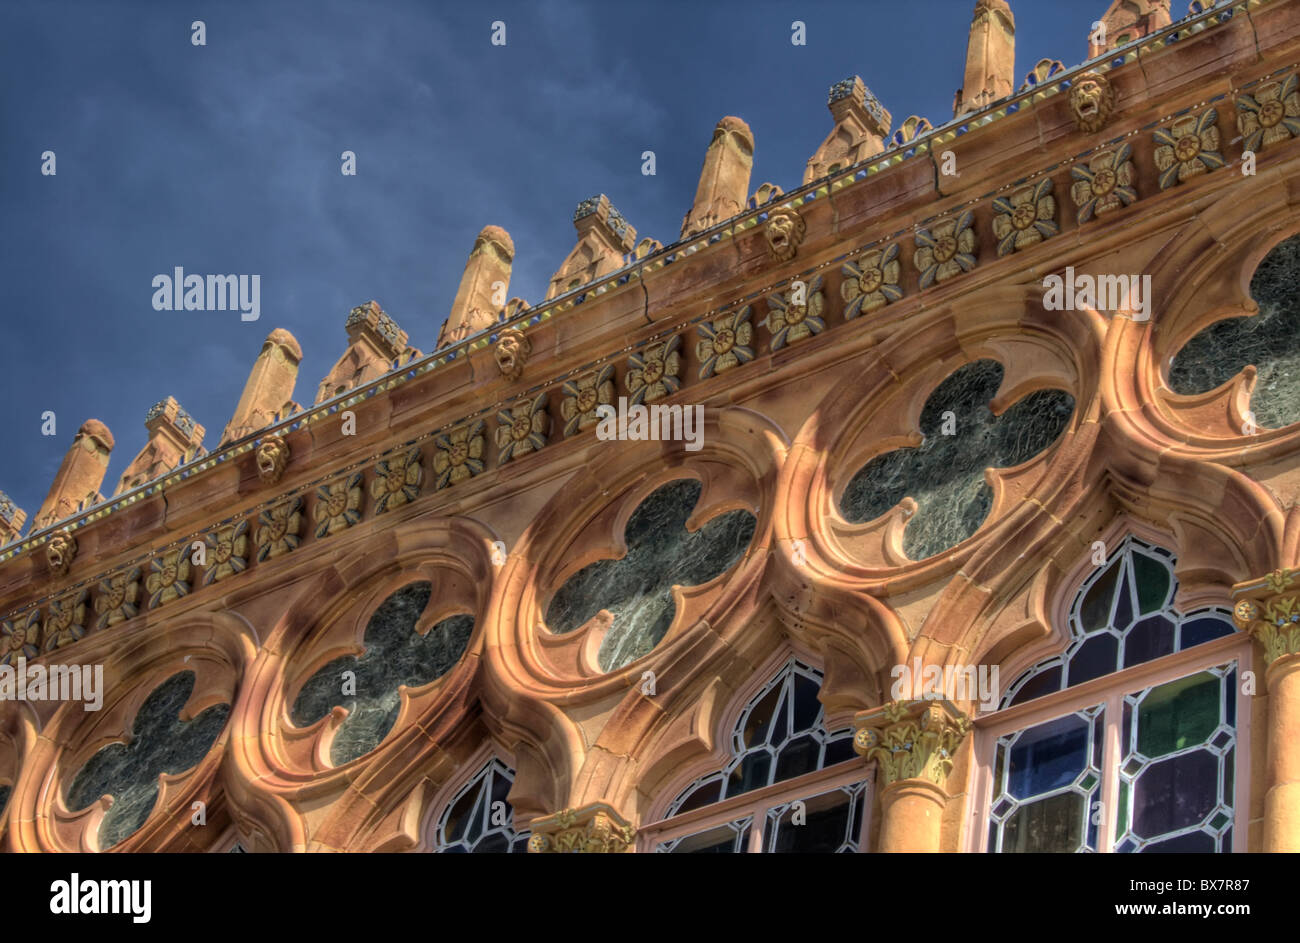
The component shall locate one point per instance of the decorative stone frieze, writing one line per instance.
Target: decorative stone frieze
(871, 281)
(1187, 148)
(791, 318)
(397, 480)
(1025, 218)
(169, 575)
(592, 829)
(1105, 183)
(725, 343)
(522, 428)
(945, 249)
(115, 597)
(227, 552)
(67, 620)
(654, 372)
(338, 505)
(460, 454)
(279, 530)
(1270, 114)
(583, 395)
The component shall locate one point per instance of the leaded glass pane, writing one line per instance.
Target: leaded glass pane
(780, 735)
(727, 839)
(479, 820)
(829, 823)
(1047, 780)
(1176, 765)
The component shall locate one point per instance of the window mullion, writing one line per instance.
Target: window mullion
(1110, 772)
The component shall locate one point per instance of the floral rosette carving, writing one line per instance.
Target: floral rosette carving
(460, 454)
(871, 282)
(338, 505)
(1187, 148)
(583, 395)
(67, 620)
(397, 480)
(522, 428)
(1025, 218)
(169, 577)
(227, 552)
(725, 343)
(115, 600)
(20, 637)
(279, 529)
(653, 373)
(946, 249)
(1270, 115)
(790, 322)
(1105, 184)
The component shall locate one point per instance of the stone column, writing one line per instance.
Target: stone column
(594, 828)
(913, 743)
(1269, 609)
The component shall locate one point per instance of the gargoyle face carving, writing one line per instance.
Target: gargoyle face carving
(1091, 102)
(272, 459)
(60, 551)
(785, 230)
(511, 353)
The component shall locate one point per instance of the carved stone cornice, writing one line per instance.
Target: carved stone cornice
(911, 739)
(1269, 610)
(591, 829)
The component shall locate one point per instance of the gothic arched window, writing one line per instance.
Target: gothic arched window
(1127, 741)
(789, 785)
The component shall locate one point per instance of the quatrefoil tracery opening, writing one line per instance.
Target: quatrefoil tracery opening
(160, 743)
(395, 655)
(637, 588)
(1270, 340)
(945, 473)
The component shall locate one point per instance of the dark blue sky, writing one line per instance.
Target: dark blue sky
(225, 159)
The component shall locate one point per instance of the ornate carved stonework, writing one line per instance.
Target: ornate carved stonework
(1270, 612)
(511, 353)
(1091, 102)
(60, 551)
(911, 739)
(272, 459)
(591, 829)
(785, 230)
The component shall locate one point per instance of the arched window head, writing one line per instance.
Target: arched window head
(1122, 615)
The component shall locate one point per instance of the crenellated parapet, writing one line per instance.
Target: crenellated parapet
(174, 439)
(375, 344)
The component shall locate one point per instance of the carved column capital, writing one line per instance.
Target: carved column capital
(592, 829)
(911, 739)
(1269, 609)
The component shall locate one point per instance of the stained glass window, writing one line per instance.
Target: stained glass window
(480, 820)
(1173, 775)
(780, 740)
